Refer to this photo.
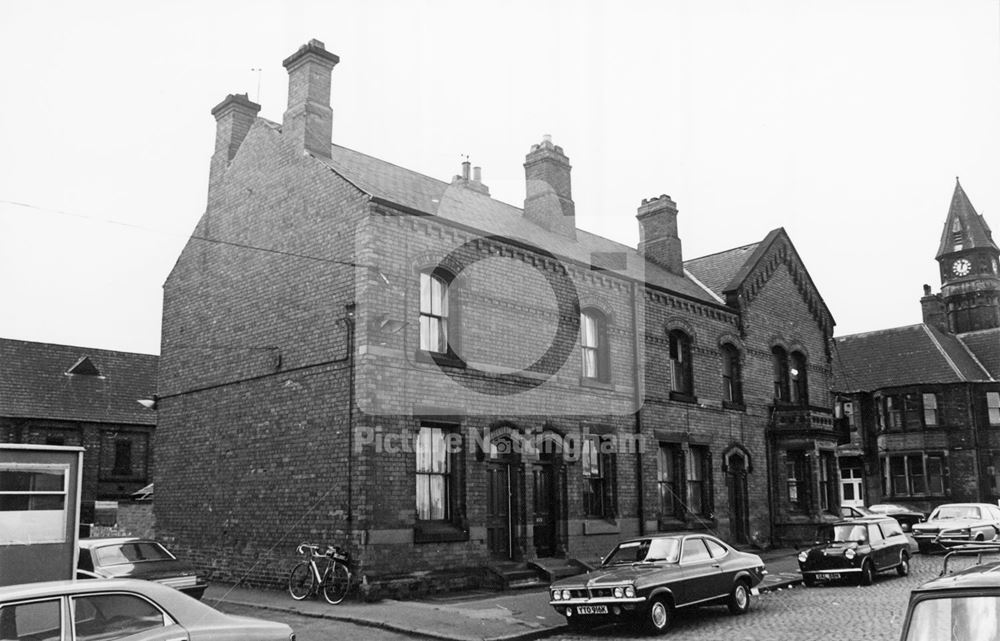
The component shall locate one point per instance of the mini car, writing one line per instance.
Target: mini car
(959, 605)
(646, 579)
(135, 558)
(111, 609)
(953, 523)
(856, 549)
(907, 517)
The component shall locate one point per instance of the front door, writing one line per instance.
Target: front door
(851, 484)
(739, 510)
(499, 499)
(545, 506)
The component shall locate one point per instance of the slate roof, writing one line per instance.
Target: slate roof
(985, 344)
(717, 271)
(34, 383)
(974, 233)
(911, 355)
(478, 211)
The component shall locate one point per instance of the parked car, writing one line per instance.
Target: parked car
(135, 558)
(957, 522)
(959, 605)
(907, 516)
(645, 579)
(856, 549)
(110, 609)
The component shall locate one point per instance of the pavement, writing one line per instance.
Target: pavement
(517, 615)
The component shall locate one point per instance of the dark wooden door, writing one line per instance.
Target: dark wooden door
(546, 508)
(739, 509)
(498, 509)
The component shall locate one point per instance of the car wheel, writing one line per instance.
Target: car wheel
(739, 599)
(809, 581)
(904, 564)
(867, 573)
(660, 615)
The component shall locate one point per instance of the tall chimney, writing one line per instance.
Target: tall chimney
(309, 118)
(934, 313)
(233, 118)
(549, 197)
(658, 239)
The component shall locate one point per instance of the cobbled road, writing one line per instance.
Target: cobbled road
(830, 612)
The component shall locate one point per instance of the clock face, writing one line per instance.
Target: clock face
(961, 267)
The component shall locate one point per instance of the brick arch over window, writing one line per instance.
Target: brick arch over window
(684, 326)
(737, 448)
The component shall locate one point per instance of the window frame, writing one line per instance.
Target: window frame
(732, 376)
(899, 475)
(698, 481)
(680, 355)
(993, 408)
(798, 377)
(669, 479)
(452, 525)
(599, 470)
(440, 319)
(600, 351)
(797, 481)
(781, 375)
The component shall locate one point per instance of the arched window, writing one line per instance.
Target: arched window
(732, 377)
(680, 363)
(779, 362)
(799, 379)
(594, 352)
(434, 312)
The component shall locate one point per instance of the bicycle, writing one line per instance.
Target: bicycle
(333, 579)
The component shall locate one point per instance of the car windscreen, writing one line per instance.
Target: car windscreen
(644, 551)
(970, 618)
(132, 552)
(843, 533)
(956, 512)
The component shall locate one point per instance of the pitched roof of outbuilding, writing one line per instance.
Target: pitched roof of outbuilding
(37, 381)
(911, 355)
(478, 211)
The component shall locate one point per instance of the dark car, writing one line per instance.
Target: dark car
(856, 549)
(136, 558)
(959, 605)
(907, 516)
(645, 579)
(953, 523)
(111, 609)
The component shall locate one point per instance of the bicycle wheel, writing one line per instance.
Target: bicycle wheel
(336, 582)
(300, 581)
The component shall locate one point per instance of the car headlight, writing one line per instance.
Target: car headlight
(803, 556)
(556, 595)
(619, 593)
(630, 591)
(565, 594)
(850, 554)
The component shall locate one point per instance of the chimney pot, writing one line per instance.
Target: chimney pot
(477, 174)
(465, 169)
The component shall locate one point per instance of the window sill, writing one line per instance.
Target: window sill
(681, 397)
(731, 405)
(439, 359)
(438, 532)
(596, 383)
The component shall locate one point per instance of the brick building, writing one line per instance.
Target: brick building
(925, 399)
(67, 395)
(356, 352)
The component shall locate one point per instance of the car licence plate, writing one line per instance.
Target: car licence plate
(828, 576)
(591, 609)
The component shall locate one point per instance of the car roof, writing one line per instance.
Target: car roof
(71, 586)
(986, 575)
(669, 535)
(115, 540)
(874, 518)
(965, 505)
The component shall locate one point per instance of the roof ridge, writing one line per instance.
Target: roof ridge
(878, 331)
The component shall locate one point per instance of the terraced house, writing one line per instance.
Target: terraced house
(925, 399)
(354, 352)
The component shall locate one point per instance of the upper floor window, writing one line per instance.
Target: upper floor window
(993, 407)
(907, 411)
(799, 379)
(930, 409)
(123, 457)
(779, 365)
(732, 378)
(594, 346)
(680, 363)
(433, 313)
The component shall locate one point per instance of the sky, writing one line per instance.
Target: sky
(846, 122)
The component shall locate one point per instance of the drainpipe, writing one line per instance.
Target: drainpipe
(638, 396)
(349, 322)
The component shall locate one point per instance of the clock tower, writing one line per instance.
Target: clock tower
(970, 268)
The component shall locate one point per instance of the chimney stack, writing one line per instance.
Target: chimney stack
(658, 239)
(233, 118)
(309, 118)
(934, 313)
(475, 182)
(549, 198)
